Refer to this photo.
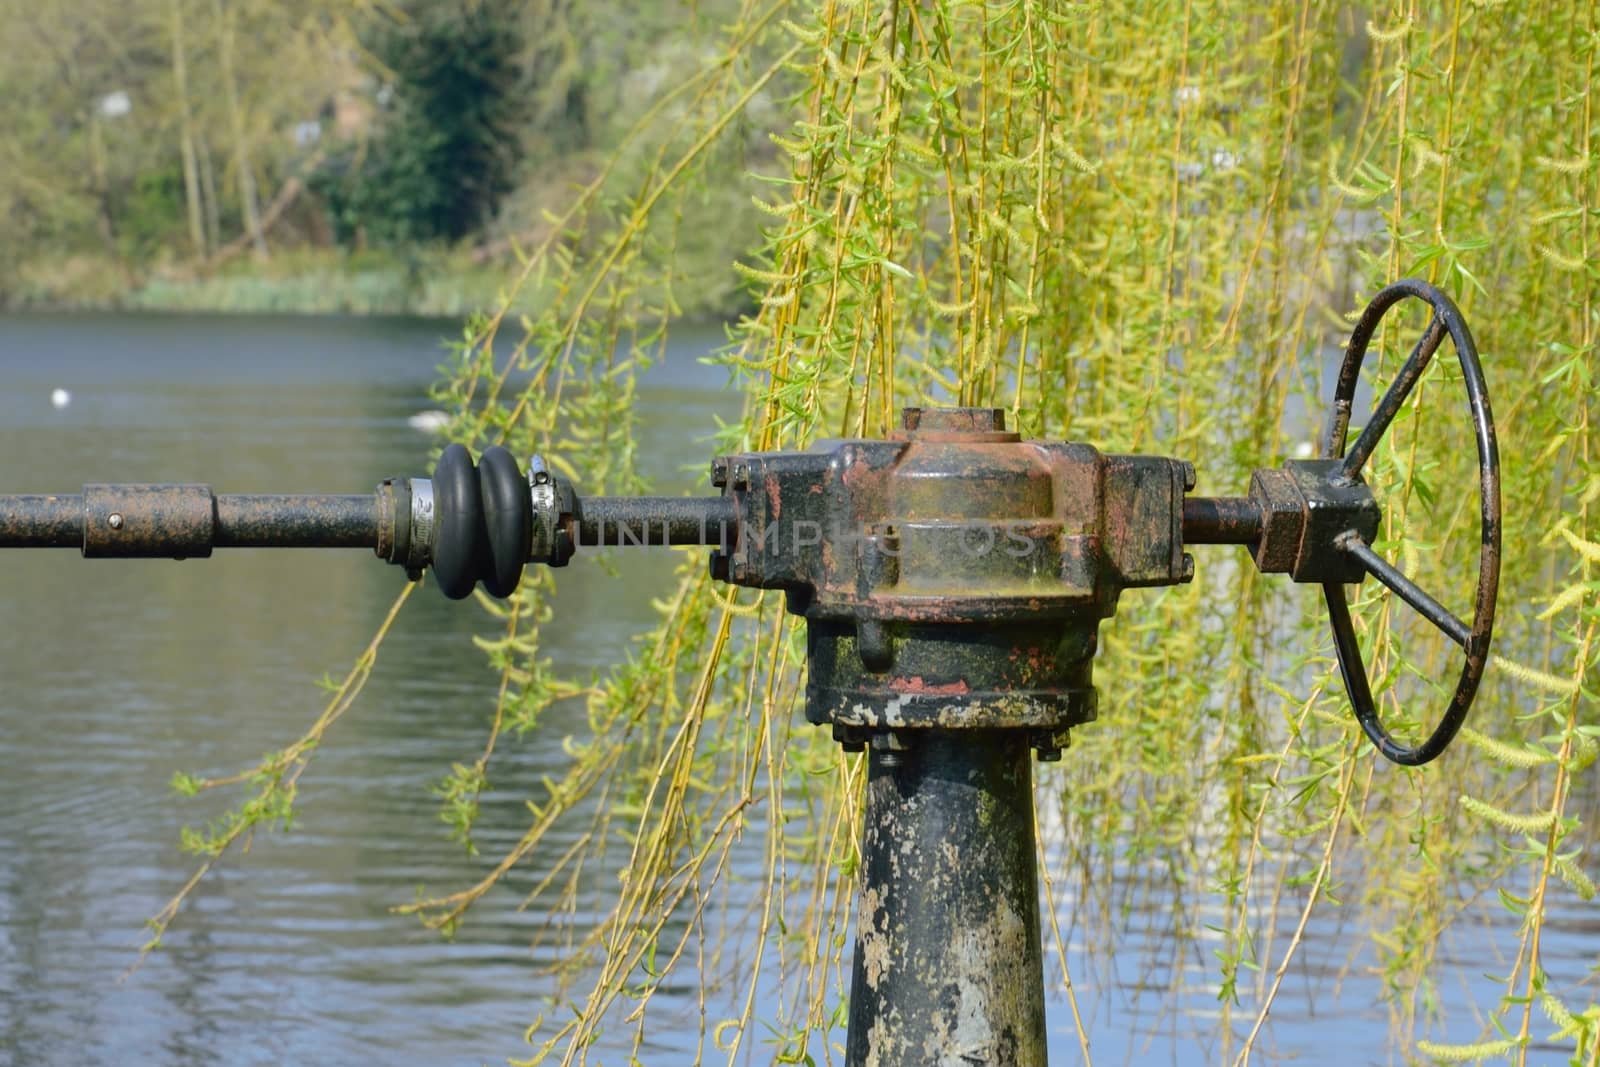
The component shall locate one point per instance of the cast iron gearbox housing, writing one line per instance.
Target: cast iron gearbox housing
(953, 576)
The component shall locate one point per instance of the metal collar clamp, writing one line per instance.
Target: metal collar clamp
(554, 505)
(405, 524)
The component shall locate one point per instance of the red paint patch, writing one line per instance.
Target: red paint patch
(917, 685)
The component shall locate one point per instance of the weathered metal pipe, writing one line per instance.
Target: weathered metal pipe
(300, 520)
(41, 521)
(655, 520)
(185, 520)
(1220, 520)
(948, 963)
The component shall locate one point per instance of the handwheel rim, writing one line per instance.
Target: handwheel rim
(1481, 632)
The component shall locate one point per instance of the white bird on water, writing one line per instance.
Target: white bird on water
(60, 398)
(429, 421)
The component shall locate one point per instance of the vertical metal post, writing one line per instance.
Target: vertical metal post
(948, 965)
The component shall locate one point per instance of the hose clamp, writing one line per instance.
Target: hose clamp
(419, 552)
(553, 505)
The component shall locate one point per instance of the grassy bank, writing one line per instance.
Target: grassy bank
(304, 282)
(323, 281)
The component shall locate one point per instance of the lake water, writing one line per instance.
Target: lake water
(114, 675)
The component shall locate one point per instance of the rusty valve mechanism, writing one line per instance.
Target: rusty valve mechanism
(953, 578)
(884, 545)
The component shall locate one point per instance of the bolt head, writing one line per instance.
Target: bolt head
(1048, 744)
(850, 738)
(114, 520)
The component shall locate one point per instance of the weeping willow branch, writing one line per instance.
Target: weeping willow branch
(1140, 225)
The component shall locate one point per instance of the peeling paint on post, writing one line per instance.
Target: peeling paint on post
(948, 966)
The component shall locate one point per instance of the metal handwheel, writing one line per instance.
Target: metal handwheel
(1474, 639)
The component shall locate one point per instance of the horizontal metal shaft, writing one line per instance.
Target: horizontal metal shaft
(190, 521)
(185, 520)
(298, 520)
(1223, 520)
(38, 521)
(654, 520)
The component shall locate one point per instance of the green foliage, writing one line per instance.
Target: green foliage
(449, 136)
(417, 126)
(151, 212)
(93, 122)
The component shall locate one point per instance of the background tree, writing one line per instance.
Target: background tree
(449, 133)
(117, 142)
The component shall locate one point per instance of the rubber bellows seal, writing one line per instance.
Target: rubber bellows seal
(459, 540)
(507, 520)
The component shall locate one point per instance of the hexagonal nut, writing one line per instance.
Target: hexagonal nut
(1283, 520)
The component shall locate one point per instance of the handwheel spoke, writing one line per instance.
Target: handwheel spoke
(1399, 389)
(1407, 590)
